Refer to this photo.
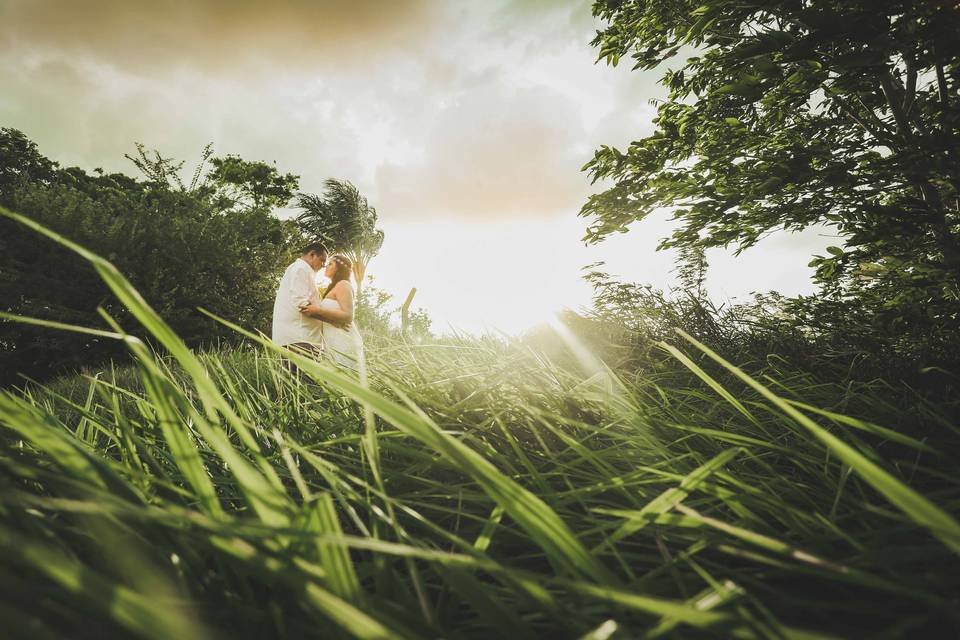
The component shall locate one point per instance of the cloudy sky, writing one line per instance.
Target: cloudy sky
(464, 122)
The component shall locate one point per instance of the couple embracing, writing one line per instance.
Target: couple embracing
(321, 325)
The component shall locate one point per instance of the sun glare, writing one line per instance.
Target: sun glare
(484, 276)
(509, 276)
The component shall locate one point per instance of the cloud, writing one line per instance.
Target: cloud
(505, 132)
(492, 152)
(220, 35)
(470, 111)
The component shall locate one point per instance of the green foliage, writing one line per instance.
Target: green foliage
(345, 220)
(180, 248)
(222, 495)
(788, 114)
(21, 163)
(232, 182)
(165, 172)
(418, 324)
(373, 309)
(251, 185)
(377, 314)
(837, 340)
(627, 321)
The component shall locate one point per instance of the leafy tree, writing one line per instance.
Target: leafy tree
(21, 163)
(250, 184)
(180, 248)
(790, 113)
(235, 183)
(345, 220)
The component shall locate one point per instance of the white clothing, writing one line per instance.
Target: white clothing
(343, 346)
(298, 288)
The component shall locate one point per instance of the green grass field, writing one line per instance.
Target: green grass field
(467, 488)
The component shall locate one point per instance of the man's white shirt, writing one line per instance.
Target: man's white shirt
(298, 287)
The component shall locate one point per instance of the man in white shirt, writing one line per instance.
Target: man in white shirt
(298, 289)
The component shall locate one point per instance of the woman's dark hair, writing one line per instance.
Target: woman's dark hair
(343, 268)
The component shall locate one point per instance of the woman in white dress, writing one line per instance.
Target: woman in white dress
(341, 339)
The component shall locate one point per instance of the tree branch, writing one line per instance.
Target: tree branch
(878, 122)
(910, 91)
(880, 135)
(942, 86)
(896, 107)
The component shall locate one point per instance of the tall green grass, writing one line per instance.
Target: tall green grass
(469, 488)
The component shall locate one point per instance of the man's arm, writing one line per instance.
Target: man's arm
(334, 316)
(302, 288)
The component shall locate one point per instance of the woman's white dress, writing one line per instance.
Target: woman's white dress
(343, 346)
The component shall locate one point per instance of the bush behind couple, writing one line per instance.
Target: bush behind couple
(319, 325)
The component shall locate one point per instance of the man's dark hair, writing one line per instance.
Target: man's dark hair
(316, 247)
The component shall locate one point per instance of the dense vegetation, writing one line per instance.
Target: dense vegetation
(213, 243)
(784, 114)
(468, 488)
